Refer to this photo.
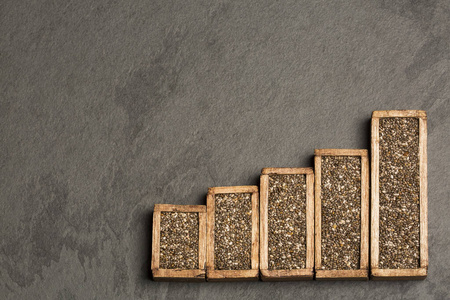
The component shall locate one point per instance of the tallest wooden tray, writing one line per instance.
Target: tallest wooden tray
(421, 271)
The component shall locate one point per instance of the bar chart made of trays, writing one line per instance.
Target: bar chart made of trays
(310, 223)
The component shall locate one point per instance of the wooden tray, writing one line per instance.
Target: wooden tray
(179, 274)
(395, 274)
(352, 274)
(232, 275)
(294, 274)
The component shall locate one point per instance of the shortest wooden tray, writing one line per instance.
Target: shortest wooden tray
(233, 275)
(295, 274)
(179, 274)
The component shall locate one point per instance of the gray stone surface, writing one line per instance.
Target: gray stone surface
(108, 107)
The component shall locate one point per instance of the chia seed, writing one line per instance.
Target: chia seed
(233, 231)
(341, 212)
(287, 222)
(399, 231)
(179, 240)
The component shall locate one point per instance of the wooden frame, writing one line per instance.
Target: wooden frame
(363, 272)
(232, 275)
(296, 274)
(395, 274)
(179, 274)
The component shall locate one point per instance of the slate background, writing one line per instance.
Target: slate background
(108, 107)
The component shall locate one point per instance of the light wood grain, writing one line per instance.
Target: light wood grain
(286, 171)
(423, 162)
(232, 275)
(233, 189)
(310, 221)
(155, 240)
(398, 274)
(375, 201)
(202, 241)
(178, 274)
(264, 188)
(318, 211)
(399, 113)
(210, 203)
(180, 208)
(287, 275)
(341, 152)
(364, 259)
(255, 231)
(342, 274)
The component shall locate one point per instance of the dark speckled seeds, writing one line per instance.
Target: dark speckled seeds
(399, 193)
(179, 240)
(287, 222)
(233, 231)
(341, 212)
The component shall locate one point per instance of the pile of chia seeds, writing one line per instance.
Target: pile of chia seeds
(399, 242)
(179, 238)
(233, 231)
(287, 222)
(341, 212)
